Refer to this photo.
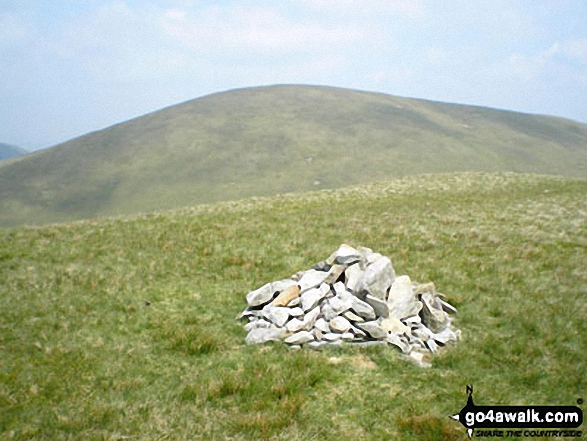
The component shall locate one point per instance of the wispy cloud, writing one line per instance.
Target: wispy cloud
(569, 56)
(256, 30)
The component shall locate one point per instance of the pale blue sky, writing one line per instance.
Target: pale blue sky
(69, 67)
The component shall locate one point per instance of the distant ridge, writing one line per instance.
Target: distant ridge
(10, 151)
(275, 139)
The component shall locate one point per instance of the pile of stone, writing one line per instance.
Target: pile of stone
(354, 296)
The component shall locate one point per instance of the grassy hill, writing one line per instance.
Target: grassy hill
(84, 356)
(269, 140)
(9, 151)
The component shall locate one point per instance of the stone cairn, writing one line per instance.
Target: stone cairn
(354, 296)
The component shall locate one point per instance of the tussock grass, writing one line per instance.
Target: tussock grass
(125, 328)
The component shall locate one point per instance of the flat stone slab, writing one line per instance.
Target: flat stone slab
(373, 328)
(300, 337)
(263, 335)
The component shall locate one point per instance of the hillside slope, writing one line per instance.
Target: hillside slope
(9, 151)
(268, 140)
(125, 327)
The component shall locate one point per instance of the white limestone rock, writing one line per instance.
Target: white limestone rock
(311, 279)
(377, 278)
(294, 325)
(353, 275)
(339, 324)
(311, 298)
(260, 296)
(322, 325)
(344, 255)
(263, 335)
(310, 318)
(401, 300)
(300, 338)
(379, 306)
(394, 326)
(351, 316)
(362, 309)
(276, 314)
(433, 316)
(373, 329)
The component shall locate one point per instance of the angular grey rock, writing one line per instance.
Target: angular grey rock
(340, 289)
(311, 298)
(322, 325)
(282, 285)
(353, 296)
(257, 324)
(296, 312)
(317, 334)
(262, 335)
(372, 257)
(344, 255)
(260, 296)
(353, 275)
(445, 336)
(336, 306)
(362, 309)
(276, 314)
(422, 333)
(401, 301)
(294, 325)
(447, 307)
(394, 326)
(373, 329)
(396, 340)
(379, 306)
(249, 313)
(350, 315)
(412, 320)
(433, 316)
(377, 278)
(299, 338)
(332, 336)
(322, 266)
(432, 346)
(317, 345)
(364, 251)
(357, 332)
(339, 324)
(310, 318)
(311, 279)
(334, 273)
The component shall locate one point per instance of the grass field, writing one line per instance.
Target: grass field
(125, 328)
(270, 140)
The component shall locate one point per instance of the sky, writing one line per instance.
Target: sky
(68, 67)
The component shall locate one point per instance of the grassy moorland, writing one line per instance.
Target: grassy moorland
(125, 328)
(9, 151)
(270, 140)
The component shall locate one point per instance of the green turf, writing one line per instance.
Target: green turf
(9, 151)
(125, 328)
(279, 139)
